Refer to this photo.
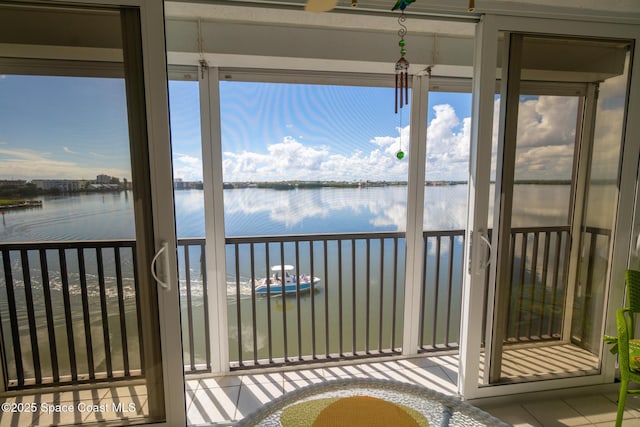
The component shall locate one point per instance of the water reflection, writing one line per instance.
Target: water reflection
(327, 210)
(262, 212)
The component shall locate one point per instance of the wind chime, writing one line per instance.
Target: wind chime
(402, 68)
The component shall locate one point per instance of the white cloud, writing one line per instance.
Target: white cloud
(32, 165)
(291, 155)
(546, 137)
(382, 141)
(189, 203)
(547, 121)
(292, 208)
(445, 207)
(187, 167)
(447, 156)
(291, 160)
(447, 145)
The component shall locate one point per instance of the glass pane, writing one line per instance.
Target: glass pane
(543, 287)
(338, 140)
(74, 166)
(541, 215)
(445, 215)
(70, 289)
(305, 165)
(186, 143)
(600, 211)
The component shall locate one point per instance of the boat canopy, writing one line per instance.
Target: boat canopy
(279, 268)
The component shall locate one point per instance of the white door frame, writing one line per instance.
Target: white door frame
(214, 218)
(152, 36)
(160, 164)
(160, 159)
(161, 170)
(484, 84)
(415, 214)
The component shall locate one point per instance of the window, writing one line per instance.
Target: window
(313, 160)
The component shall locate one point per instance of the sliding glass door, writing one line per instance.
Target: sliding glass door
(547, 254)
(78, 303)
(549, 305)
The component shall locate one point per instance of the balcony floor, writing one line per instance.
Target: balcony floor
(540, 361)
(104, 405)
(225, 400)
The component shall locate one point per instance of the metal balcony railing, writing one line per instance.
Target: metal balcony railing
(68, 310)
(353, 311)
(538, 283)
(441, 290)
(194, 305)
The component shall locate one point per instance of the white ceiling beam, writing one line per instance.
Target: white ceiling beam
(300, 18)
(621, 11)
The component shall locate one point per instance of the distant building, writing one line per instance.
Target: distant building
(62, 185)
(83, 184)
(103, 187)
(179, 184)
(103, 179)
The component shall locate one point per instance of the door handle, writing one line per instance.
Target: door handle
(163, 250)
(485, 239)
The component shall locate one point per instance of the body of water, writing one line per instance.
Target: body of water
(266, 212)
(260, 212)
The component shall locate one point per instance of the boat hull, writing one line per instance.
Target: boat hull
(275, 289)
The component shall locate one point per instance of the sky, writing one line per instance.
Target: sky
(76, 128)
(275, 132)
(63, 127)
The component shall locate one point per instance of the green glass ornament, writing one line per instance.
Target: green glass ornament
(400, 155)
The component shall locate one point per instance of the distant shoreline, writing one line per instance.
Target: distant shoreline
(19, 204)
(291, 185)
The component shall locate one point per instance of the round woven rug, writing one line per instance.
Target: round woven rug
(368, 402)
(351, 411)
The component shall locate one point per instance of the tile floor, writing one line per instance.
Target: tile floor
(223, 401)
(598, 409)
(545, 361)
(97, 405)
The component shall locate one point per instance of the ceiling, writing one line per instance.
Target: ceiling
(279, 34)
(601, 10)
